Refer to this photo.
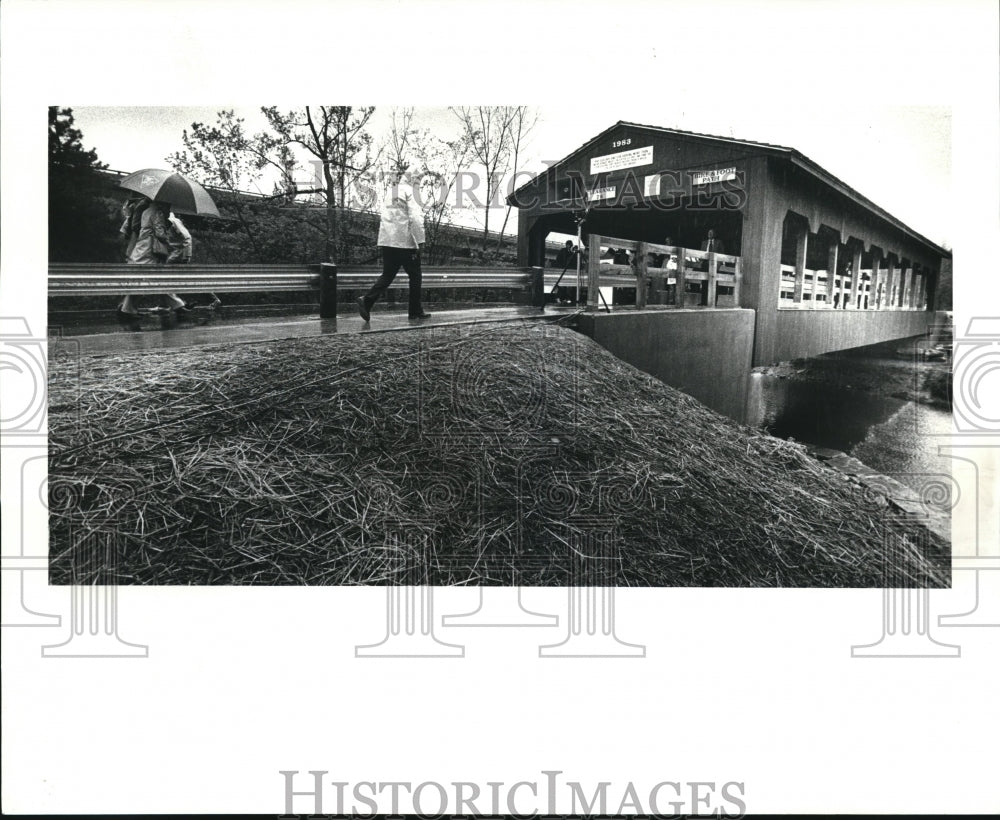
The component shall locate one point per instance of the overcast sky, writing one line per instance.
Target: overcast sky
(897, 156)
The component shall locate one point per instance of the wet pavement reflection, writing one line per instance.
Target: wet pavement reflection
(115, 339)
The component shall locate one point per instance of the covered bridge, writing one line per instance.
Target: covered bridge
(823, 267)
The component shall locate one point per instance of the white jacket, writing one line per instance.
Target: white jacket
(402, 221)
(180, 241)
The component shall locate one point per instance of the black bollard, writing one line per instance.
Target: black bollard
(327, 290)
(538, 287)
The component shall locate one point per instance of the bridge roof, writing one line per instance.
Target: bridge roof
(781, 152)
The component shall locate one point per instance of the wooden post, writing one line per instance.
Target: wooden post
(855, 276)
(711, 286)
(680, 289)
(657, 288)
(801, 247)
(873, 283)
(890, 287)
(831, 271)
(737, 277)
(327, 290)
(641, 274)
(593, 271)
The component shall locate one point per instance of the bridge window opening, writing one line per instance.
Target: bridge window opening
(816, 278)
(804, 281)
(790, 231)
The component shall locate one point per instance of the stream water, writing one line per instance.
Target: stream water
(892, 436)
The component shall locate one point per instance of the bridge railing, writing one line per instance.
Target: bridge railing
(881, 289)
(670, 275)
(324, 280)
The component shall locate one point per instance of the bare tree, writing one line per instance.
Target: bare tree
(443, 162)
(224, 156)
(521, 124)
(487, 129)
(437, 163)
(337, 137)
(401, 137)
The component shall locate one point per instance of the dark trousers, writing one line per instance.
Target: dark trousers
(392, 260)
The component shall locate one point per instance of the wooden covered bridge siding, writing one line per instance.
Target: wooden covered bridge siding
(788, 221)
(796, 231)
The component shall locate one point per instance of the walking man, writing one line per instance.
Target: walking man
(400, 239)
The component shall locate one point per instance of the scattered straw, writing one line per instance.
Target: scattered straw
(448, 456)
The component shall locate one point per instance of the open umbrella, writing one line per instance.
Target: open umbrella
(185, 195)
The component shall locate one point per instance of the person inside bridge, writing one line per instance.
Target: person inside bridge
(669, 262)
(713, 245)
(565, 259)
(400, 241)
(565, 256)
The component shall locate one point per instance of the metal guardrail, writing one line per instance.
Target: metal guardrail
(119, 279)
(96, 279)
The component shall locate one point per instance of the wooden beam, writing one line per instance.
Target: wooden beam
(641, 275)
(593, 271)
(712, 284)
(831, 271)
(873, 285)
(855, 276)
(801, 247)
(680, 293)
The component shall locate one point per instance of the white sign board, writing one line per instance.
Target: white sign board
(607, 192)
(623, 159)
(718, 175)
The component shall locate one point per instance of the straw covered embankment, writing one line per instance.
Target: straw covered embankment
(490, 454)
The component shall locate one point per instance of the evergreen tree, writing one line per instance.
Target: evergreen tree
(83, 220)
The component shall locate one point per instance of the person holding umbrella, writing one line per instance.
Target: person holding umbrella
(152, 242)
(151, 247)
(181, 246)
